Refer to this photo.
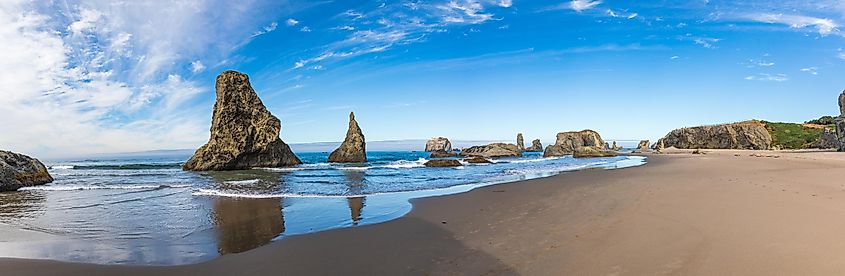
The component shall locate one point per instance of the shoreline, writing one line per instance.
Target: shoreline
(722, 212)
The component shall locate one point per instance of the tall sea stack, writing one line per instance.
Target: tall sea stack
(354, 148)
(244, 134)
(520, 143)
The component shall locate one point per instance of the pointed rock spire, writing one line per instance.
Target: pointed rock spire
(354, 148)
(244, 134)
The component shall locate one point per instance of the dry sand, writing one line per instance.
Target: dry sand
(722, 213)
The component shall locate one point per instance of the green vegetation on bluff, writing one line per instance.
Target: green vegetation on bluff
(824, 120)
(794, 136)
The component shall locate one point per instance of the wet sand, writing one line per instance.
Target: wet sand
(724, 212)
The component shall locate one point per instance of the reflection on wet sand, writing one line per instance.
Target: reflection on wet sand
(244, 224)
(356, 182)
(15, 206)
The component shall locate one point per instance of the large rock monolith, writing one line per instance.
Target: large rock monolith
(438, 144)
(567, 142)
(354, 148)
(244, 134)
(749, 135)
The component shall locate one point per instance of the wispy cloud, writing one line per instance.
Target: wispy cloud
(811, 70)
(823, 26)
(582, 5)
(768, 77)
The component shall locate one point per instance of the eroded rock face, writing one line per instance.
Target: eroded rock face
(443, 163)
(840, 122)
(828, 139)
(615, 147)
(438, 144)
(18, 171)
(443, 154)
(354, 148)
(659, 146)
(751, 135)
(493, 151)
(643, 145)
(536, 146)
(587, 152)
(520, 143)
(244, 134)
(477, 160)
(567, 142)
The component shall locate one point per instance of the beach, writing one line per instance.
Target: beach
(724, 212)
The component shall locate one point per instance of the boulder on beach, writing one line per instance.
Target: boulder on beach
(443, 154)
(567, 142)
(354, 148)
(477, 160)
(536, 146)
(244, 134)
(18, 171)
(438, 144)
(443, 163)
(494, 150)
(520, 143)
(587, 152)
(750, 135)
(643, 145)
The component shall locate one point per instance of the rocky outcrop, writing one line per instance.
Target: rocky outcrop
(494, 150)
(354, 148)
(520, 143)
(751, 135)
(18, 171)
(615, 147)
(443, 154)
(438, 144)
(658, 146)
(587, 152)
(443, 163)
(244, 134)
(643, 145)
(477, 160)
(536, 146)
(828, 140)
(567, 142)
(840, 122)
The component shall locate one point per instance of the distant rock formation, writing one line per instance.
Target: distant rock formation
(354, 148)
(443, 163)
(615, 147)
(567, 142)
(643, 145)
(587, 152)
(658, 146)
(477, 160)
(18, 170)
(244, 134)
(751, 135)
(520, 144)
(536, 146)
(840, 122)
(438, 144)
(443, 154)
(494, 150)
(828, 139)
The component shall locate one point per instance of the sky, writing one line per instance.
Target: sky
(85, 77)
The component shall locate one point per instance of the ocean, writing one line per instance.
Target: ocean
(147, 211)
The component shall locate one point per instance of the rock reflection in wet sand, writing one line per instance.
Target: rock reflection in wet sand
(244, 224)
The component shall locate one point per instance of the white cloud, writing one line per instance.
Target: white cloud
(469, 12)
(197, 66)
(291, 22)
(768, 77)
(583, 5)
(674, 57)
(505, 3)
(811, 70)
(305, 29)
(823, 26)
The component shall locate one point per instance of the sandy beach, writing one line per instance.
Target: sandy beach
(720, 213)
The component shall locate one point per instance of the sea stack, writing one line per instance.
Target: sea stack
(438, 144)
(840, 122)
(520, 143)
(568, 142)
(643, 145)
(244, 134)
(536, 146)
(748, 135)
(18, 171)
(354, 148)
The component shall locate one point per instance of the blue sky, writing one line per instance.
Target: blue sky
(85, 77)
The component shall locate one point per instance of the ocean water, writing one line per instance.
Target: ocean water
(147, 211)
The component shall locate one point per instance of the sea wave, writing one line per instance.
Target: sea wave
(243, 182)
(286, 169)
(406, 164)
(61, 167)
(129, 166)
(101, 187)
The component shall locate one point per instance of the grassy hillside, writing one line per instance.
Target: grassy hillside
(795, 136)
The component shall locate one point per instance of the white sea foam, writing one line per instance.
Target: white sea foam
(353, 168)
(534, 160)
(62, 167)
(406, 164)
(211, 192)
(91, 187)
(243, 182)
(290, 169)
